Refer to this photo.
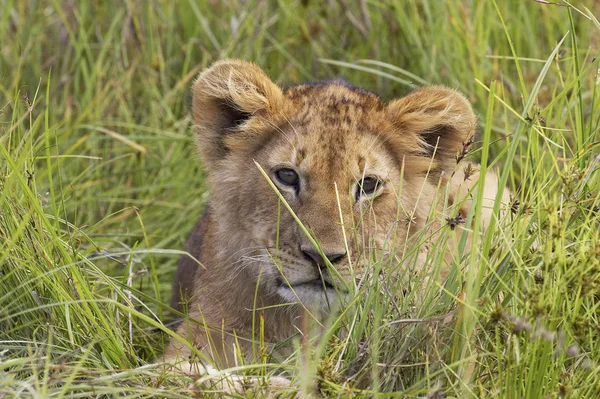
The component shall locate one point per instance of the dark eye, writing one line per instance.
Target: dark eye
(287, 177)
(368, 185)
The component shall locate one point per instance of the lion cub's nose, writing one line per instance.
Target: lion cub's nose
(316, 257)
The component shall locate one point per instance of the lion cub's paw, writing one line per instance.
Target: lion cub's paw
(234, 385)
(246, 387)
(229, 384)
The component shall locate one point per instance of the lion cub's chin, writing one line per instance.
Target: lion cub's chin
(313, 294)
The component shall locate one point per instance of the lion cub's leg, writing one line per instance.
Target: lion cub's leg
(461, 190)
(462, 186)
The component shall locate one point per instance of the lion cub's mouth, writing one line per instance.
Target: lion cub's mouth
(318, 283)
(318, 292)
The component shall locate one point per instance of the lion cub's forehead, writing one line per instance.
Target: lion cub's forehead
(333, 102)
(333, 127)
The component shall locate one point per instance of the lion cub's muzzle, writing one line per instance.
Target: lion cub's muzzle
(312, 255)
(313, 279)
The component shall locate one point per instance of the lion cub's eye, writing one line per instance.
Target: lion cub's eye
(287, 177)
(368, 185)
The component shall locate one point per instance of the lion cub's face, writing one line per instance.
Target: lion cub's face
(359, 174)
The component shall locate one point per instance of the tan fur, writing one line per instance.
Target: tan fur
(332, 135)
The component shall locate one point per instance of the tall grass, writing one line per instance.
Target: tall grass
(100, 186)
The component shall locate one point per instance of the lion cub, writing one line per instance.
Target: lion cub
(360, 175)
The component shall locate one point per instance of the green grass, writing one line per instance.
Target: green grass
(100, 184)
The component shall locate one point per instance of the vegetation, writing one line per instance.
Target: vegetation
(99, 186)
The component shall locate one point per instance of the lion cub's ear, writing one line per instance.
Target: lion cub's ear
(233, 102)
(437, 120)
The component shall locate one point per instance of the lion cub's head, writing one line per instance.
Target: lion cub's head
(360, 174)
